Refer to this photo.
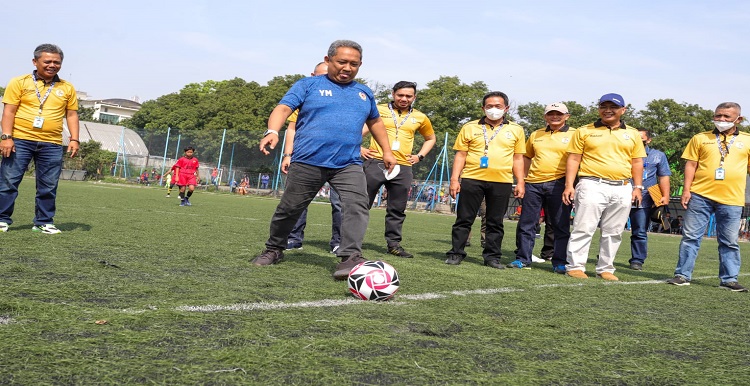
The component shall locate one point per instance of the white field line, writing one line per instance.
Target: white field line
(5, 320)
(399, 299)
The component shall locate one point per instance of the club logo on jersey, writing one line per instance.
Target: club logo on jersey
(508, 135)
(326, 92)
(414, 121)
(363, 96)
(60, 93)
(627, 137)
(565, 140)
(740, 145)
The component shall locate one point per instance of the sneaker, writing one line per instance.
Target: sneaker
(400, 252)
(345, 266)
(187, 202)
(182, 202)
(559, 269)
(678, 280)
(3, 226)
(47, 229)
(636, 266)
(494, 263)
(454, 259)
(577, 273)
(537, 259)
(518, 264)
(292, 245)
(607, 276)
(168, 195)
(336, 248)
(733, 286)
(268, 257)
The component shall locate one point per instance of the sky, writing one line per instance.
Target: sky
(535, 51)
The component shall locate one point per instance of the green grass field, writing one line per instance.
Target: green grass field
(201, 314)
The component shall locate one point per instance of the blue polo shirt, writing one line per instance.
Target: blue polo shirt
(654, 165)
(329, 124)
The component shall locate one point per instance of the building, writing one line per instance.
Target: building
(111, 111)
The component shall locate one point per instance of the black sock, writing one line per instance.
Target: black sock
(189, 193)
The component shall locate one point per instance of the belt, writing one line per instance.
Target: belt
(606, 181)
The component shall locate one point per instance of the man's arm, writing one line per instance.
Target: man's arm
(429, 143)
(636, 171)
(71, 116)
(571, 171)
(690, 167)
(291, 129)
(459, 161)
(518, 172)
(275, 122)
(7, 146)
(526, 166)
(665, 190)
(378, 131)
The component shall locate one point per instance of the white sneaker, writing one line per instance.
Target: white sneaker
(3, 226)
(336, 248)
(537, 259)
(47, 229)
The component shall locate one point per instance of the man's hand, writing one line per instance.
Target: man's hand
(73, 148)
(663, 201)
(454, 189)
(519, 191)
(636, 196)
(685, 199)
(270, 141)
(7, 146)
(285, 164)
(366, 153)
(389, 161)
(569, 195)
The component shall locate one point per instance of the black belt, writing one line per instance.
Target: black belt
(606, 181)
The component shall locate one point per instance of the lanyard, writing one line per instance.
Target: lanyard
(39, 95)
(723, 152)
(393, 114)
(487, 141)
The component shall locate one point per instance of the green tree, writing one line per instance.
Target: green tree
(85, 113)
(91, 158)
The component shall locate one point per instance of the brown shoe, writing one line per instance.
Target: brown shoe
(607, 276)
(345, 266)
(577, 273)
(268, 257)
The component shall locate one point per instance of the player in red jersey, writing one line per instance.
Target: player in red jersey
(186, 173)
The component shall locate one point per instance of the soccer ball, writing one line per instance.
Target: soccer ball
(373, 280)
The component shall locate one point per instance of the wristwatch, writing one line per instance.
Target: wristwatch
(6, 136)
(421, 157)
(269, 131)
(638, 187)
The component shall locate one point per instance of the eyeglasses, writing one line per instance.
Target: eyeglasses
(609, 108)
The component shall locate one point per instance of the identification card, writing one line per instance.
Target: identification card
(395, 145)
(38, 122)
(719, 175)
(484, 162)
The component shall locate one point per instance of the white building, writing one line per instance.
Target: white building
(112, 111)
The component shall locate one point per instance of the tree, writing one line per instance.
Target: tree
(85, 113)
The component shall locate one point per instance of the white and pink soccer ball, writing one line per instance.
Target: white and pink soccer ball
(373, 280)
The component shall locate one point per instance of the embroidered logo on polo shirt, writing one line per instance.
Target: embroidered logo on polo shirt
(60, 93)
(565, 140)
(626, 136)
(508, 135)
(740, 145)
(326, 92)
(363, 96)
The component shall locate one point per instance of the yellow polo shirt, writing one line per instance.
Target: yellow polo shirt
(415, 122)
(293, 117)
(607, 153)
(22, 93)
(547, 150)
(703, 149)
(509, 140)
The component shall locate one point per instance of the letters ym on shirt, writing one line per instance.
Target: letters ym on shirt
(326, 92)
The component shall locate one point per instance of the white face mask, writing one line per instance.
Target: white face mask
(723, 126)
(494, 113)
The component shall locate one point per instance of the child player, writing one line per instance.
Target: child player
(185, 175)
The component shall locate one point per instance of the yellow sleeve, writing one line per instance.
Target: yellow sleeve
(463, 139)
(576, 143)
(520, 141)
(530, 146)
(691, 150)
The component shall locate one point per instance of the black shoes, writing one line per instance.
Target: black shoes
(345, 266)
(636, 266)
(396, 250)
(494, 263)
(268, 257)
(733, 286)
(679, 280)
(454, 259)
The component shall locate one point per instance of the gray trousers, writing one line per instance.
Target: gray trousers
(398, 195)
(302, 184)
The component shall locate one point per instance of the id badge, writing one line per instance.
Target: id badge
(395, 145)
(484, 162)
(38, 122)
(719, 175)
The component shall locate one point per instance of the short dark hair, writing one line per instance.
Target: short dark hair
(344, 43)
(495, 94)
(648, 133)
(730, 105)
(189, 148)
(405, 84)
(48, 48)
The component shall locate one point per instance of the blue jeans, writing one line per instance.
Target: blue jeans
(298, 232)
(694, 225)
(640, 219)
(48, 164)
(547, 195)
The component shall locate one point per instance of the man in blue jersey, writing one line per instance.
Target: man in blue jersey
(332, 110)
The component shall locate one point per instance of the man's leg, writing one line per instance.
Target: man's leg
(694, 226)
(335, 220)
(727, 233)
(350, 183)
(612, 225)
(557, 217)
(639, 220)
(398, 194)
(528, 221)
(375, 179)
(48, 163)
(302, 184)
(297, 235)
(469, 201)
(548, 249)
(589, 204)
(497, 195)
(12, 169)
